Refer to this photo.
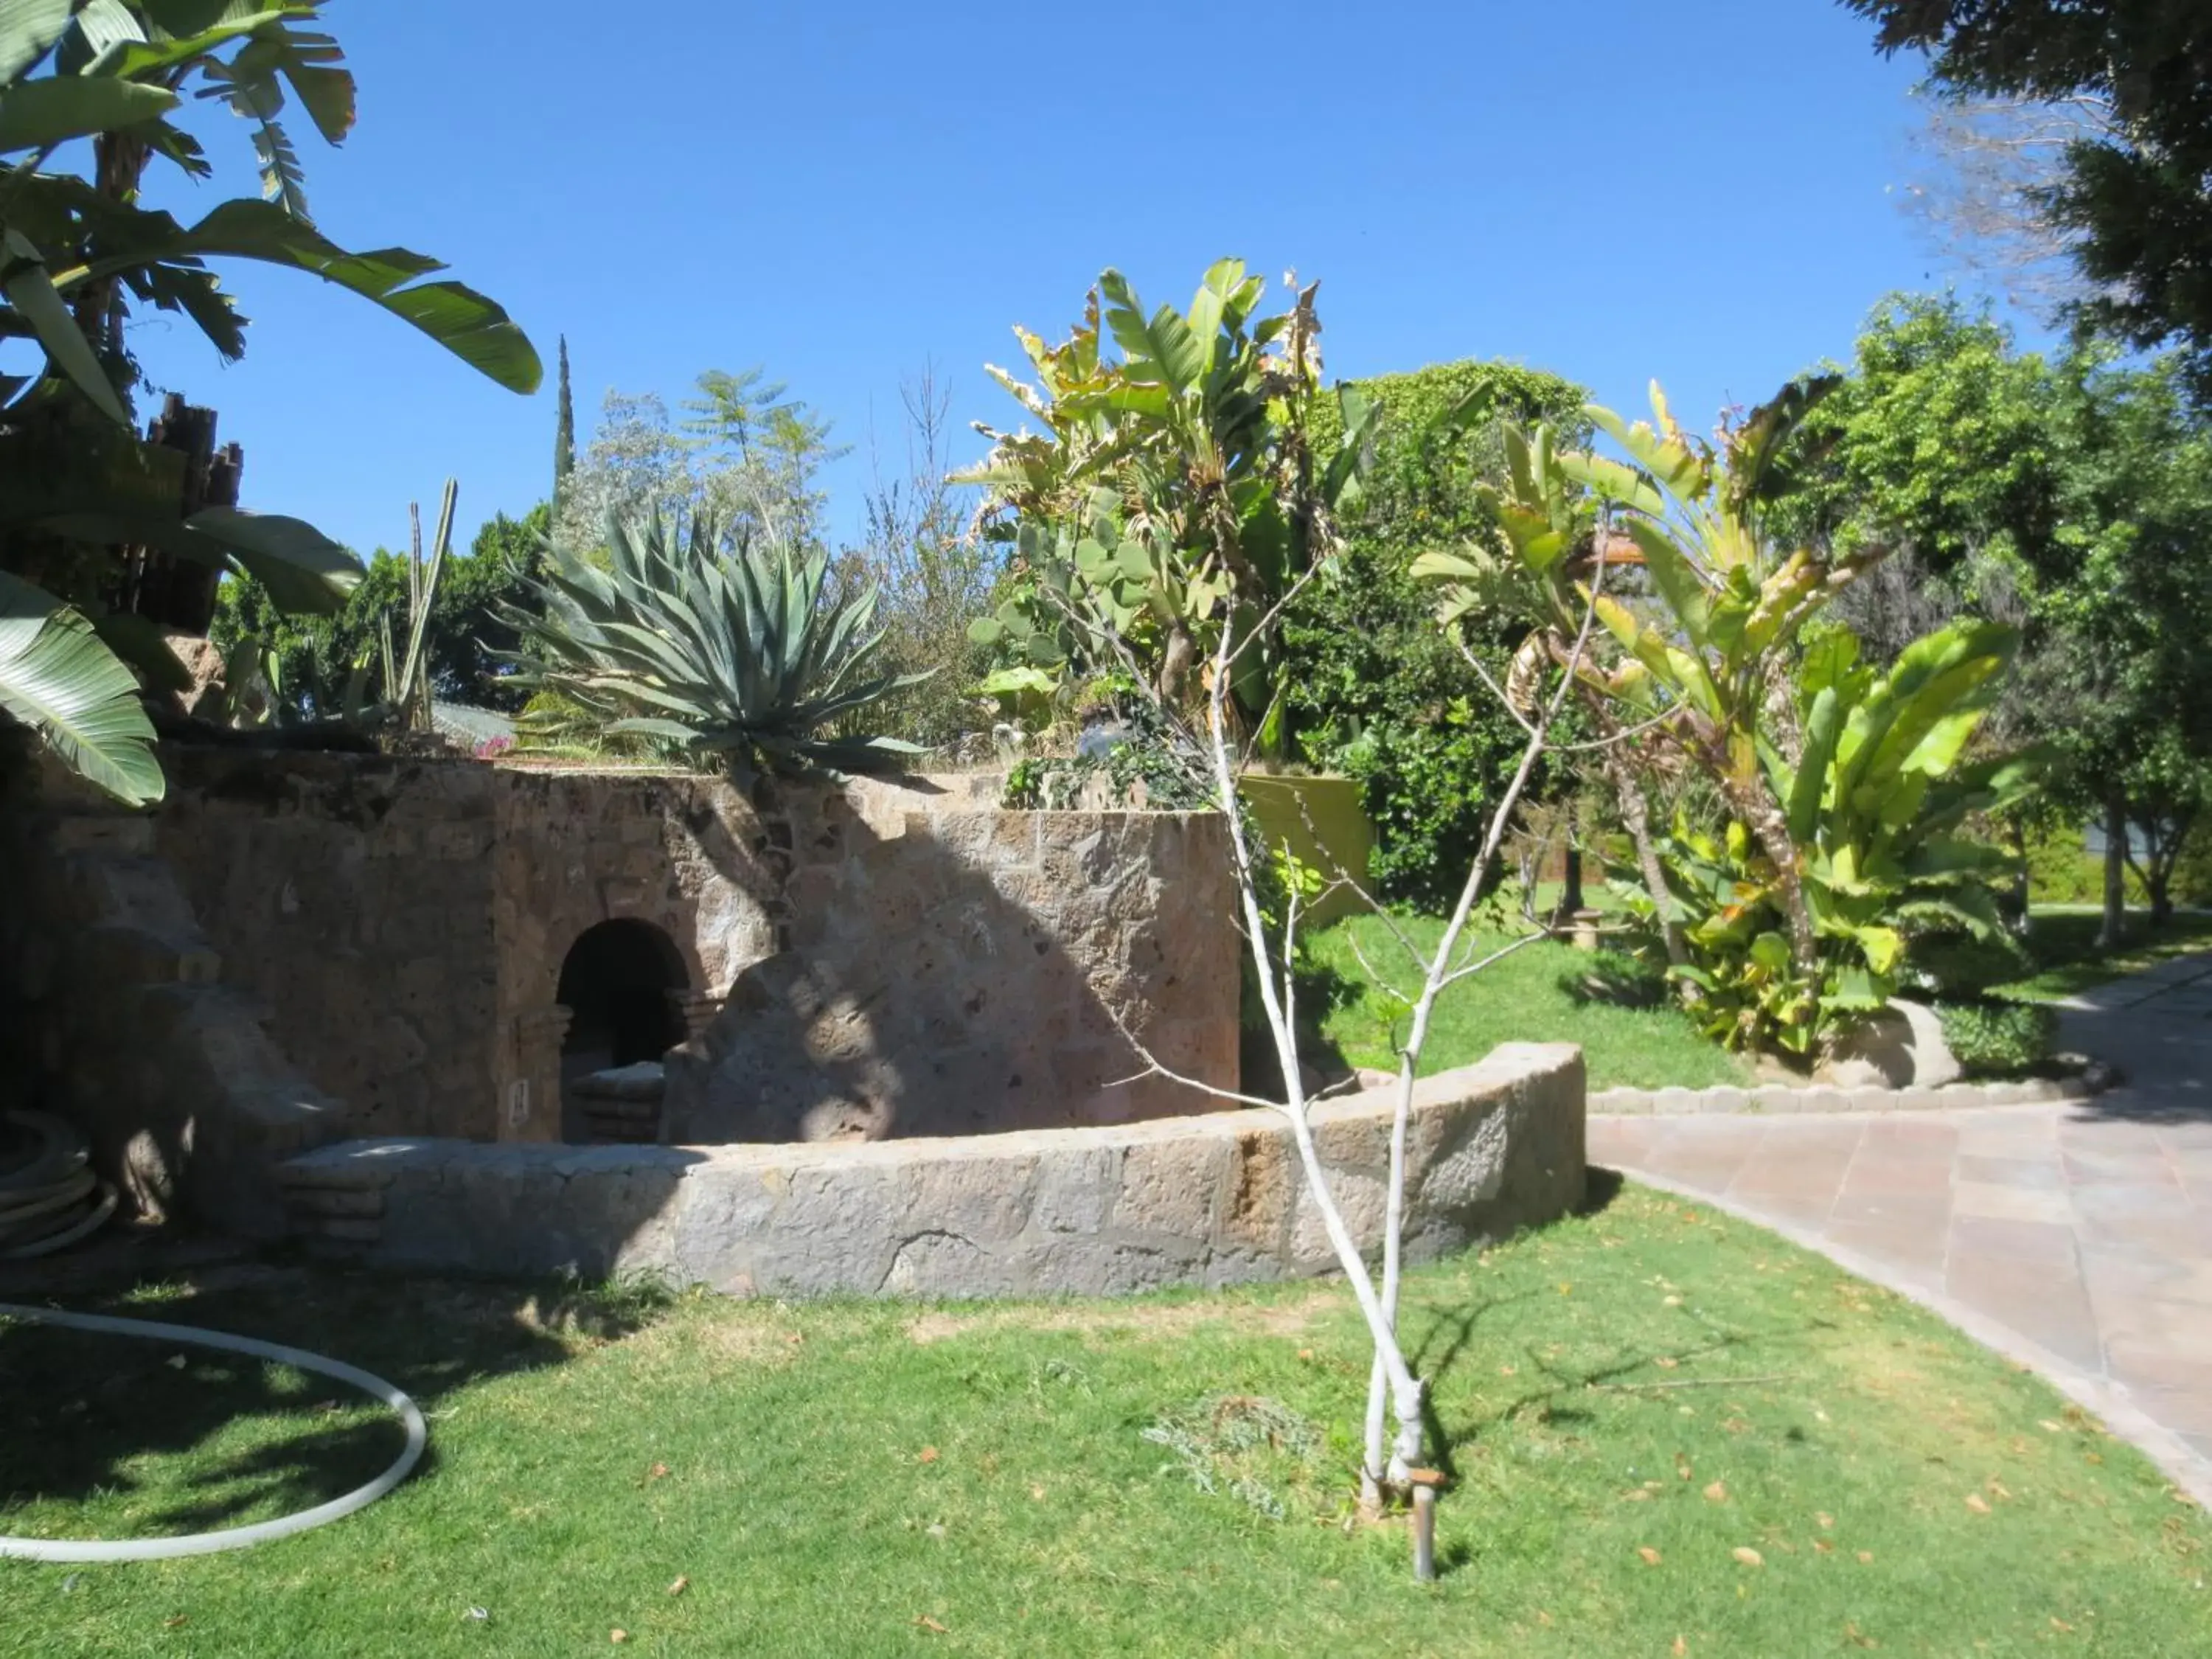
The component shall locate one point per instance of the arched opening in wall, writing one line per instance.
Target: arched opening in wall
(615, 982)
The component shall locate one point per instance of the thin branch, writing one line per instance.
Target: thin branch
(1458, 974)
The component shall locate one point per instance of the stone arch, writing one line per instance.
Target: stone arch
(624, 985)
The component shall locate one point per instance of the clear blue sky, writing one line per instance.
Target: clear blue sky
(1610, 188)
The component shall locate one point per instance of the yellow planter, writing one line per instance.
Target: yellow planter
(1321, 821)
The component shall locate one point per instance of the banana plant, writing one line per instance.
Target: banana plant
(58, 679)
(71, 246)
(750, 654)
(1172, 492)
(1877, 803)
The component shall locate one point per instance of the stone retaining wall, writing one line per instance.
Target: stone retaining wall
(113, 1012)
(897, 957)
(1207, 1200)
(1782, 1098)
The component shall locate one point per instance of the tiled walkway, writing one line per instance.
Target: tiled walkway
(2075, 1238)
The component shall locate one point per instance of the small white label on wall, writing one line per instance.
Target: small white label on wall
(518, 1102)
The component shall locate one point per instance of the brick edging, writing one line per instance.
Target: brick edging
(1780, 1098)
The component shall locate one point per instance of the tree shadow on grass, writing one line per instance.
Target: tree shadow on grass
(196, 1439)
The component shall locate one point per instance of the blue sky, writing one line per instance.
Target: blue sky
(1610, 188)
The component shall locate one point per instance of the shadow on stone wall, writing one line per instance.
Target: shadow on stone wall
(934, 982)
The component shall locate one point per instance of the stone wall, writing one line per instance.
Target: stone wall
(1209, 1199)
(888, 958)
(114, 1011)
(352, 897)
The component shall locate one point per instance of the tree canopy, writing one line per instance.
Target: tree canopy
(2137, 189)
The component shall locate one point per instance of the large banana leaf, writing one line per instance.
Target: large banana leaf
(57, 677)
(28, 29)
(58, 107)
(472, 327)
(28, 287)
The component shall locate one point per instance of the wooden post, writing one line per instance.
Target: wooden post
(1425, 1482)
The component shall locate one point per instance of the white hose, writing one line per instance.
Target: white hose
(232, 1538)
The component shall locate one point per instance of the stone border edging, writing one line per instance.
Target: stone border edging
(1205, 1199)
(1790, 1099)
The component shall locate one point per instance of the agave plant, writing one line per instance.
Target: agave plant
(752, 654)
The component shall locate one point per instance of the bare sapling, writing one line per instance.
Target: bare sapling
(1395, 1422)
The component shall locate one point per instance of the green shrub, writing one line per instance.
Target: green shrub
(1961, 965)
(1377, 693)
(1993, 1038)
(2059, 870)
(1375, 690)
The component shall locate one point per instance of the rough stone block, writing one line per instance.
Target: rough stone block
(1075, 1189)
(1901, 1044)
(1472, 1171)
(1171, 1187)
(1261, 1187)
(1621, 1102)
(1677, 1102)
(1726, 1099)
(1362, 1200)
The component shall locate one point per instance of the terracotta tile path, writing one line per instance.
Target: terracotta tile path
(2074, 1238)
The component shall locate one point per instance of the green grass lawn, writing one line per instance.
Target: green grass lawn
(2064, 943)
(1670, 1433)
(1529, 997)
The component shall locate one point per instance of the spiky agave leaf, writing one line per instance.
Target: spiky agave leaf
(743, 653)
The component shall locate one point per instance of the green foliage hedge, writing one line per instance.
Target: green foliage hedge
(2059, 871)
(1377, 692)
(1992, 1038)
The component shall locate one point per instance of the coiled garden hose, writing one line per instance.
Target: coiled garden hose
(43, 1208)
(50, 1199)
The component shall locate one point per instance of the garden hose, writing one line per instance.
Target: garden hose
(231, 1538)
(49, 1199)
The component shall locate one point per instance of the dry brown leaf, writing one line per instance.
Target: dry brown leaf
(1305, 1354)
(1650, 1556)
(1859, 1638)
(2094, 1457)
(1505, 1370)
(1749, 1556)
(1977, 1502)
(1717, 1492)
(927, 1455)
(1665, 1363)
(1671, 1301)
(682, 1582)
(2056, 1623)
(1682, 1466)
(1038, 1492)
(1997, 1489)
(1824, 1546)
(1635, 1495)
(931, 1624)
(617, 1636)
(658, 1471)
(1866, 1557)
(1543, 1618)
(1827, 1522)
(1680, 1648)
(172, 1624)
(795, 1338)
(2049, 1427)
